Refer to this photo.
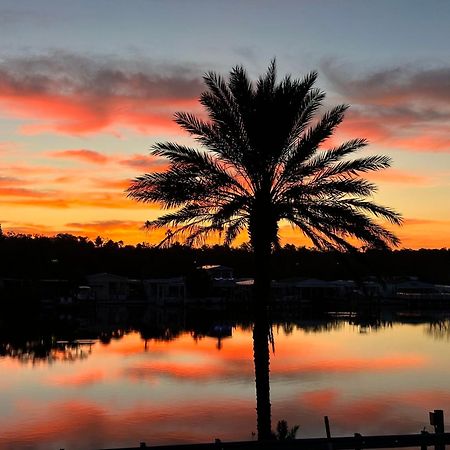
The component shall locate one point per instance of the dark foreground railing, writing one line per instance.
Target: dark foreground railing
(421, 440)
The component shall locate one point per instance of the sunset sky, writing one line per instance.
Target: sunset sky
(87, 87)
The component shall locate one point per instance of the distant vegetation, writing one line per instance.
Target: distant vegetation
(69, 257)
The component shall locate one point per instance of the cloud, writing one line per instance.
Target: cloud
(21, 192)
(398, 177)
(400, 107)
(417, 221)
(66, 179)
(69, 93)
(10, 181)
(82, 154)
(392, 86)
(127, 231)
(58, 199)
(143, 162)
(8, 146)
(29, 170)
(105, 225)
(110, 184)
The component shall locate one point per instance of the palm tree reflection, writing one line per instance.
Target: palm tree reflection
(261, 357)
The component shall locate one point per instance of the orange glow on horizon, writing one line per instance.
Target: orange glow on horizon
(85, 182)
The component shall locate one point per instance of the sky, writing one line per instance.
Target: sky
(87, 87)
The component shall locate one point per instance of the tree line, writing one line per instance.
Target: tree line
(70, 257)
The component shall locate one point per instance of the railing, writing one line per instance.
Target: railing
(422, 440)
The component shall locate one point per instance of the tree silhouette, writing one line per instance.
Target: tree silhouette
(262, 161)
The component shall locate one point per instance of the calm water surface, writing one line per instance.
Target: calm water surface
(190, 389)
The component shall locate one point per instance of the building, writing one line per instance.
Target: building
(165, 291)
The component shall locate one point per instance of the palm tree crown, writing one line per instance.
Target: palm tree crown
(261, 161)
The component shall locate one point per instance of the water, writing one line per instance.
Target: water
(191, 387)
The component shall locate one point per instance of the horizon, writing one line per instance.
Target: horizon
(87, 89)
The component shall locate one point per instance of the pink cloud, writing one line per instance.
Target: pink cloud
(82, 154)
(400, 107)
(397, 176)
(143, 162)
(70, 94)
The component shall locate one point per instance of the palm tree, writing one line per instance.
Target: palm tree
(262, 160)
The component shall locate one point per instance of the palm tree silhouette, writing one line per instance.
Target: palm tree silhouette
(262, 161)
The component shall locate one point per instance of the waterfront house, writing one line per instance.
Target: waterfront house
(218, 272)
(107, 287)
(165, 291)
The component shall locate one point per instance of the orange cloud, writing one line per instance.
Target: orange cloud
(110, 184)
(31, 170)
(68, 179)
(81, 155)
(11, 181)
(21, 192)
(131, 232)
(416, 221)
(104, 226)
(420, 232)
(27, 197)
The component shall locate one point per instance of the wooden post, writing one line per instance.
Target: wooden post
(327, 429)
(437, 420)
(357, 436)
(424, 447)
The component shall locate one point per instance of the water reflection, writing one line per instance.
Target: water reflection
(186, 376)
(165, 324)
(48, 351)
(439, 329)
(261, 358)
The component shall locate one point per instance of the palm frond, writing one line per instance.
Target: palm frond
(311, 140)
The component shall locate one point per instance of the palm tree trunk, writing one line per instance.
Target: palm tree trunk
(263, 231)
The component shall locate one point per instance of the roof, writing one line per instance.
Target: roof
(105, 275)
(215, 267)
